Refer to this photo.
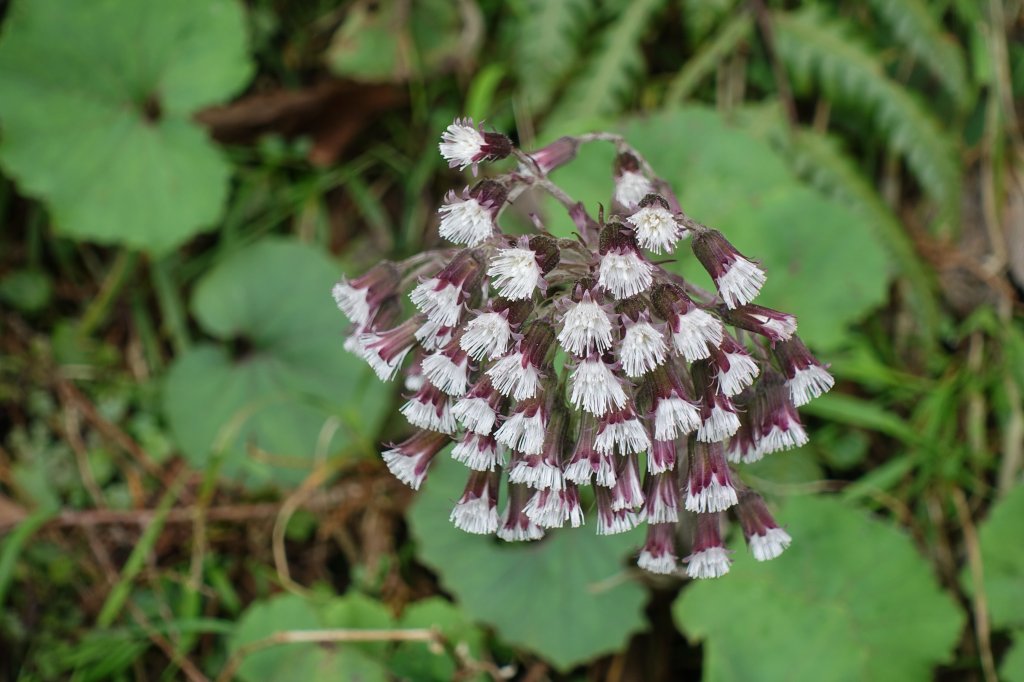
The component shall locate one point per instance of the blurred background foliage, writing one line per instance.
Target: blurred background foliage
(188, 459)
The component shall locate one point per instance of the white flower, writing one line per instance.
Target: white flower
(426, 415)
(712, 562)
(809, 383)
(585, 326)
(631, 187)
(551, 509)
(523, 433)
(621, 521)
(656, 228)
(694, 330)
(624, 273)
(487, 335)
(519, 532)
(475, 414)
(445, 374)
(715, 497)
(512, 376)
(770, 545)
(630, 436)
(477, 453)
(662, 564)
(780, 327)
(384, 369)
(475, 515)
(595, 388)
(718, 426)
(433, 335)
(792, 435)
(465, 221)
(439, 301)
(461, 144)
(627, 493)
(740, 283)
(516, 273)
(674, 418)
(538, 474)
(741, 373)
(643, 349)
(352, 301)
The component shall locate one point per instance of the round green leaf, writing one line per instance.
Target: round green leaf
(1002, 555)
(264, 401)
(96, 102)
(310, 662)
(850, 600)
(1012, 668)
(823, 261)
(417, 661)
(564, 597)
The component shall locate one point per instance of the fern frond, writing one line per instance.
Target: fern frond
(549, 40)
(914, 25)
(820, 160)
(819, 50)
(708, 57)
(614, 69)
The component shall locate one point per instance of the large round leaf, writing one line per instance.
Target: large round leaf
(850, 600)
(264, 399)
(1002, 555)
(564, 597)
(96, 100)
(823, 261)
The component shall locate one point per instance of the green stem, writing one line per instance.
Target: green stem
(99, 309)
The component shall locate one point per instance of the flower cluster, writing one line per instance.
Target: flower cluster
(582, 372)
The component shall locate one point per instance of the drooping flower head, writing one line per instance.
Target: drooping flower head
(549, 365)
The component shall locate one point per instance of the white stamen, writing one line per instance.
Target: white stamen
(552, 510)
(624, 274)
(595, 388)
(425, 416)
(770, 545)
(664, 564)
(539, 476)
(460, 145)
(714, 497)
(742, 371)
(740, 283)
(439, 305)
(809, 383)
(674, 418)
(475, 516)
(433, 335)
(631, 187)
(510, 378)
(793, 436)
(520, 532)
(352, 301)
(585, 326)
(621, 521)
(782, 327)
(697, 329)
(719, 425)
(523, 434)
(477, 454)
(403, 467)
(465, 221)
(643, 349)
(475, 414)
(656, 228)
(384, 370)
(446, 375)
(713, 562)
(487, 335)
(516, 273)
(630, 436)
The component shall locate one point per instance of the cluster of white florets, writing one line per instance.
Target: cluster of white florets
(567, 367)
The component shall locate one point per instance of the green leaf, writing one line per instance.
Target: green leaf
(614, 70)
(1012, 668)
(824, 263)
(819, 49)
(566, 597)
(386, 41)
(310, 662)
(1002, 556)
(96, 102)
(416, 661)
(914, 24)
(271, 407)
(548, 40)
(850, 600)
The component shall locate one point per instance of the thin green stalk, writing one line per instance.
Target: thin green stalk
(172, 308)
(15, 543)
(119, 274)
